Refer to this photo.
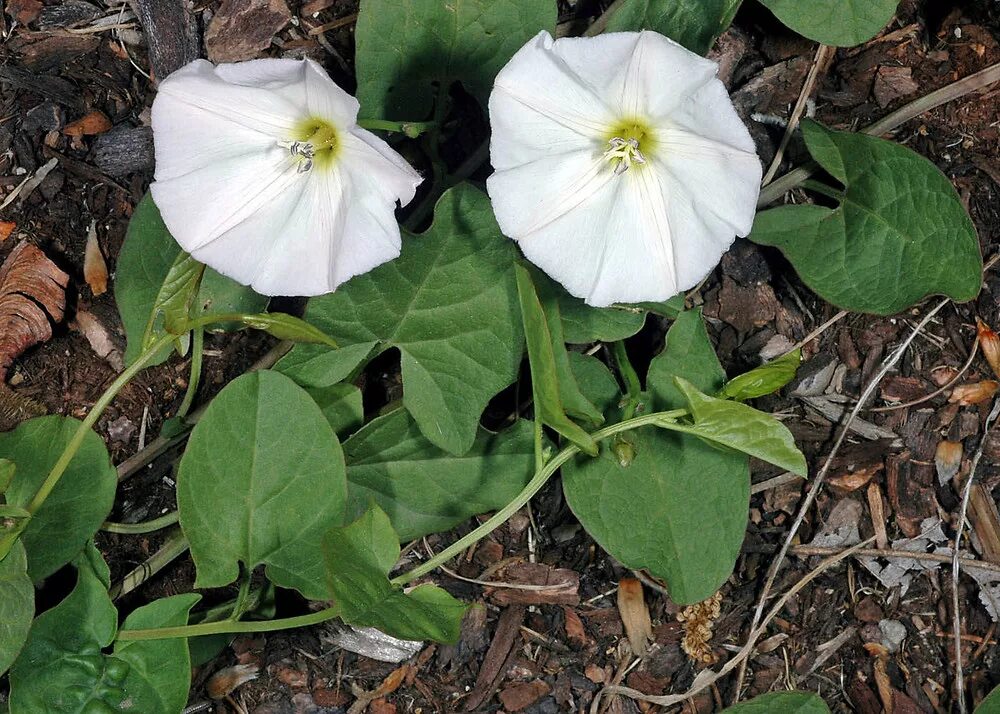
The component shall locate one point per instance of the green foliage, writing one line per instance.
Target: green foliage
(317, 366)
(287, 327)
(689, 353)
(991, 704)
(262, 479)
(405, 47)
(7, 470)
(742, 428)
(17, 604)
(359, 557)
(141, 275)
(692, 23)
(766, 379)
(424, 489)
(781, 703)
(79, 503)
(552, 381)
(62, 669)
(449, 304)
(899, 234)
(843, 23)
(679, 507)
(342, 406)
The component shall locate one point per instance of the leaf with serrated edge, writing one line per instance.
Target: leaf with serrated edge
(407, 47)
(17, 604)
(781, 703)
(743, 428)
(78, 504)
(899, 234)
(841, 23)
(359, 557)
(426, 490)
(449, 304)
(262, 479)
(692, 23)
(766, 379)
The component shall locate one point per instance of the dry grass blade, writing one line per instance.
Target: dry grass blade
(32, 291)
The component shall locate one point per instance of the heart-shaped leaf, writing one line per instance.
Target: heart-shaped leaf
(766, 379)
(426, 490)
(17, 604)
(692, 23)
(689, 353)
(781, 703)
(899, 234)
(359, 557)
(78, 504)
(449, 304)
(262, 479)
(842, 23)
(407, 47)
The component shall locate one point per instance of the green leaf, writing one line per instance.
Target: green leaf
(359, 557)
(990, 705)
(78, 504)
(692, 23)
(174, 300)
(426, 490)
(899, 234)
(17, 604)
(583, 324)
(159, 674)
(842, 23)
(7, 470)
(316, 366)
(143, 264)
(449, 303)
(545, 374)
(679, 509)
(62, 668)
(342, 406)
(688, 352)
(262, 479)
(596, 381)
(743, 428)
(781, 703)
(407, 47)
(287, 327)
(766, 379)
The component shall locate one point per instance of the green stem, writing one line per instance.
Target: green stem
(7, 541)
(412, 129)
(539, 446)
(173, 547)
(164, 521)
(313, 618)
(242, 598)
(534, 485)
(197, 348)
(633, 387)
(226, 626)
(822, 189)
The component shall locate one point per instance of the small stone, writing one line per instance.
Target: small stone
(893, 634)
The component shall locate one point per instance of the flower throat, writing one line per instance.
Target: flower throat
(316, 142)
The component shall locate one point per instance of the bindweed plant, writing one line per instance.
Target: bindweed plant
(622, 173)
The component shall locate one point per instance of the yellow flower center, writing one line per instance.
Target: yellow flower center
(630, 143)
(314, 142)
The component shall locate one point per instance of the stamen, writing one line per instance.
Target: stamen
(302, 150)
(625, 152)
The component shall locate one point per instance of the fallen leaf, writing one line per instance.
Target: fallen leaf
(88, 125)
(32, 291)
(635, 615)
(549, 586)
(575, 631)
(95, 270)
(975, 393)
(6, 228)
(989, 341)
(222, 683)
(99, 338)
(947, 460)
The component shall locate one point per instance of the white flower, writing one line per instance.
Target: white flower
(622, 169)
(263, 174)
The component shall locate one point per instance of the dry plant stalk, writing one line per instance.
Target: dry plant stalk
(698, 620)
(635, 615)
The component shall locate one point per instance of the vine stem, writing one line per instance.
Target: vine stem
(662, 419)
(7, 541)
(633, 387)
(197, 353)
(156, 524)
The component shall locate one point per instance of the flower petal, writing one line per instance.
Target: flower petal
(539, 105)
(379, 167)
(326, 100)
(214, 90)
(659, 76)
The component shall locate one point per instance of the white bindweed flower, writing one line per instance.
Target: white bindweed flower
(622, 169)
(263, 174)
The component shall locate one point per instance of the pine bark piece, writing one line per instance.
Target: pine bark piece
(242, 28)
(32, 291)
(172, 33)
